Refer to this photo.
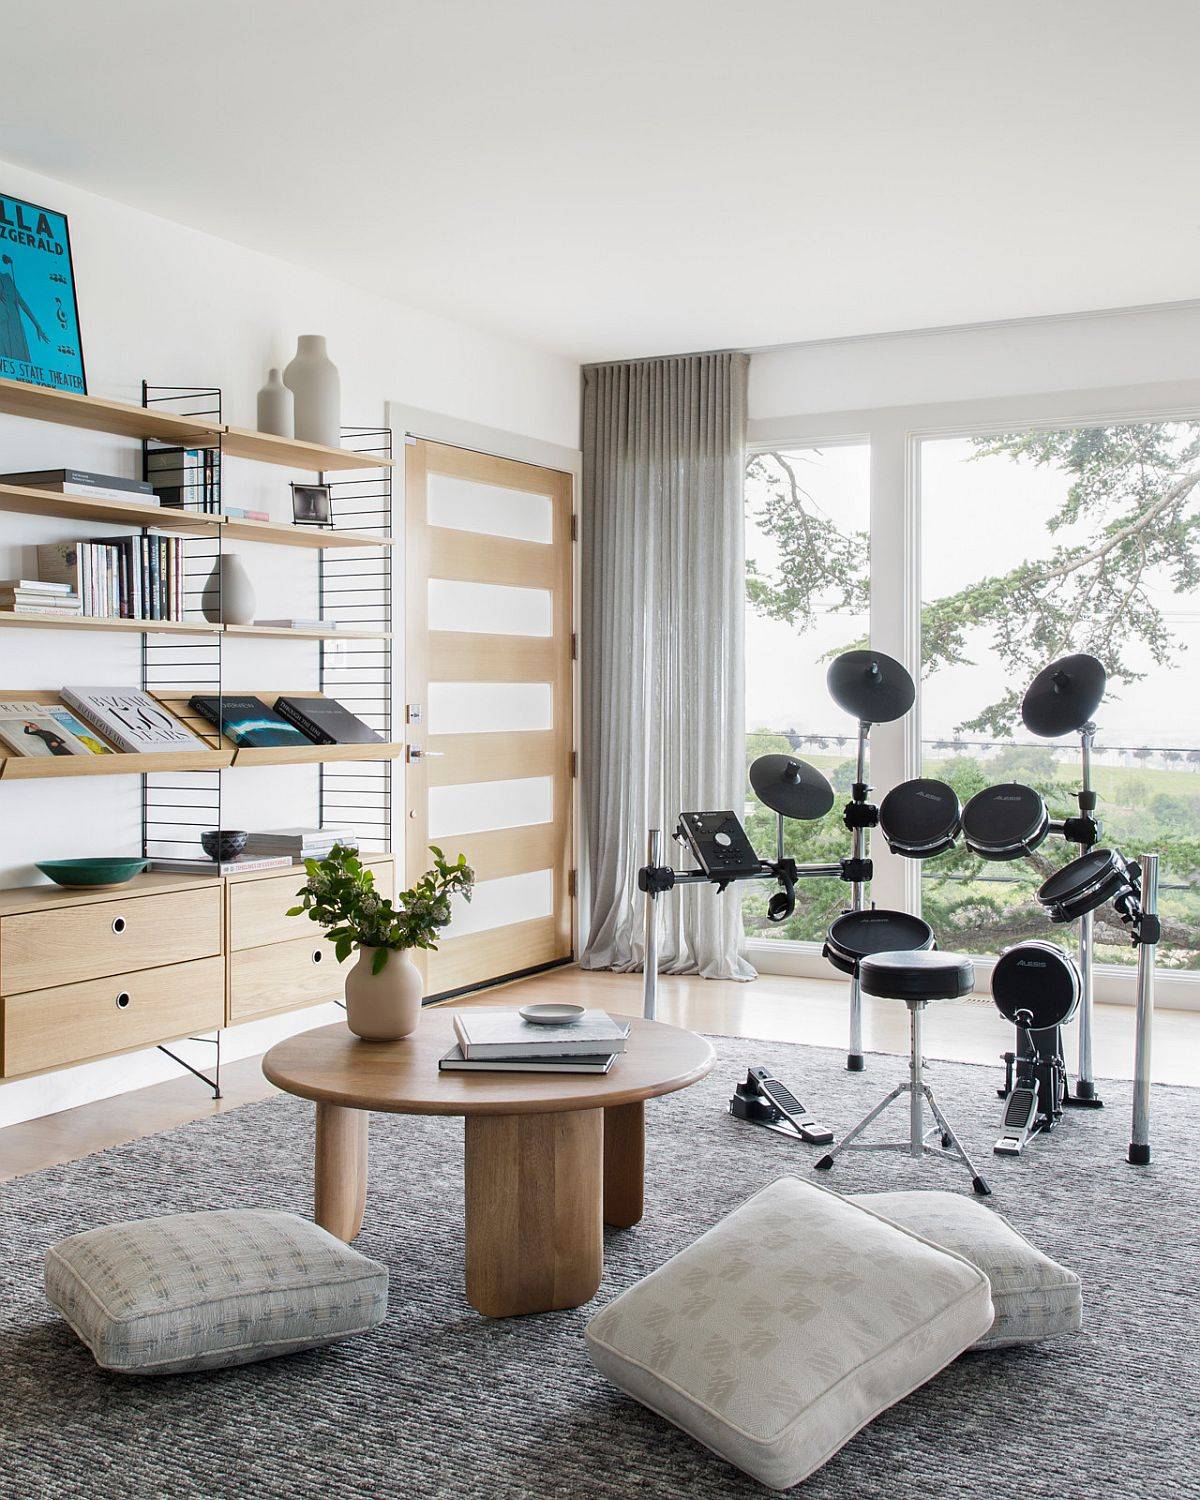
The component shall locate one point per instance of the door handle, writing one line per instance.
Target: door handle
(414, 753)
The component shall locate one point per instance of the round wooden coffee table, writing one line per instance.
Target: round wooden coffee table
(550, 1159)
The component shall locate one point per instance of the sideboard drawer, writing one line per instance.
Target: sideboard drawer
(258, 909)
(43, 949)
(53, 1028)
(283, 976)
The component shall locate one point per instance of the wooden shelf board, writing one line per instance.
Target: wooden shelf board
(207, 757)
(285, 533)
(311, 755)
(83, 508)
(314, 634)
(292, 453)
(47, 897)
(41, 404)
(130, 627)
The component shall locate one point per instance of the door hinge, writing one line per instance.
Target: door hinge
(574, 762)
(574, 646)
(574, 527)
(572, 883)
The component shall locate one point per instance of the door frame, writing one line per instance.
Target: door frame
(414, 422)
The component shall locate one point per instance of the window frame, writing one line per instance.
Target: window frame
(895, 436)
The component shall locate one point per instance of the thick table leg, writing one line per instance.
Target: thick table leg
(340, 1188)
(624, 1164)
(535, 1241)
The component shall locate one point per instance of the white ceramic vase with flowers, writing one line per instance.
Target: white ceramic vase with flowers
(384, 989)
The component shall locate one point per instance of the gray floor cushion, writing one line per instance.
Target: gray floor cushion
(1034, 1296)
(789, 1326)
(198, 1291)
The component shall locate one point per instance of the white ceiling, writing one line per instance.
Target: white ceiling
(626, 177)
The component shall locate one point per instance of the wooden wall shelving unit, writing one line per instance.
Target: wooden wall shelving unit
(55, 1019)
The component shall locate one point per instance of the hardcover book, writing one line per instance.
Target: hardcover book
(500, 1033)
(247, 721)
(133, 720)
(455, 1062)
(326, 722)
(39, 735)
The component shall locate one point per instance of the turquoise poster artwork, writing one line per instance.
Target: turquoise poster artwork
(39, 316)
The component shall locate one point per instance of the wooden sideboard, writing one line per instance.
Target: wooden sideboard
(90, 974)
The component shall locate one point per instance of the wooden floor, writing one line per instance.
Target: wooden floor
(773, 1007)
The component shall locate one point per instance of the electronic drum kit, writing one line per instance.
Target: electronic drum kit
(1037, 986)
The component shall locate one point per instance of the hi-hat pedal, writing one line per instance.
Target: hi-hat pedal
(763, 1100)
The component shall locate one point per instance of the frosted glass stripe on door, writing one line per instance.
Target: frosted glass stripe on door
(489, 707)
(496, 903)
(477, 806)
(469, 505)
(489, 608)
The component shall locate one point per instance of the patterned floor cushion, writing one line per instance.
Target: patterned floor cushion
(789, 1326)
(1034, 1297)
(198, 1291)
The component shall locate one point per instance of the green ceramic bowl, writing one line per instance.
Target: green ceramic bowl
(96, 873)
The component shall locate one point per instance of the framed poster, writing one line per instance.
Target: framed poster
(39, 316)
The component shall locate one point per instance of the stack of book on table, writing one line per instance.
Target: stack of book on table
(298, 843)
(34, 596)
(501, 1041)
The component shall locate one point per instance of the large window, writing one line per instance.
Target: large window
(1034, 545)
(808, 571)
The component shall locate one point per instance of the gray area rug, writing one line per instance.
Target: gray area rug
(442, 1402)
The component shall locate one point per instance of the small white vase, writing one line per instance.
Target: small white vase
(313, 380)
(386, 1006)
(229, 594)
(276, 413)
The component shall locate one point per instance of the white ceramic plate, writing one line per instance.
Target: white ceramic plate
(551, 1015)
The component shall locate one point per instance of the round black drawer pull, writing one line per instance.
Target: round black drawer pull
(122, 999)
(118, 924)
(317, 955)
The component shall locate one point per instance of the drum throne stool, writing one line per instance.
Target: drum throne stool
(916, 977)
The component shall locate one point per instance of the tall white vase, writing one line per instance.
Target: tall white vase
(229, 594)
(276, 413)
(313, 380)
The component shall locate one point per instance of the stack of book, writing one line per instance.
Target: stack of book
(84, 483)
(33, 596)
(502, 1041)
(298, 843)
(137, 577)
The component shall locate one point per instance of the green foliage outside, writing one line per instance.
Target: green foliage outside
(1132, 495)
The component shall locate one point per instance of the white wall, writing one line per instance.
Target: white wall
(178, 307)
(984, 361)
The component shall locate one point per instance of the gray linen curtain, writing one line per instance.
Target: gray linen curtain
(662, 668)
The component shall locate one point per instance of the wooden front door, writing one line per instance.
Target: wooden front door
(488, 689)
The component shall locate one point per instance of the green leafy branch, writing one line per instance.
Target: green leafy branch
(340, 894)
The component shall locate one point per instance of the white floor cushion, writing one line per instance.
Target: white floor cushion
(197, 1291)
(789, 1326)
(1034, 1297)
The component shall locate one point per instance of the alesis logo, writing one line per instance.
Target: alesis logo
(1031, 963)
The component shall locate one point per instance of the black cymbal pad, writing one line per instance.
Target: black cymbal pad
(1063, 696)
(873, 687)
(791, 787)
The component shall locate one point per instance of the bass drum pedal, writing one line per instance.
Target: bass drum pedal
(763, 1100)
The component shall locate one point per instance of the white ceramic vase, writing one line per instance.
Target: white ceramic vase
(229, 594)
(313, 380)
(276, 412)
(386, 1006)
